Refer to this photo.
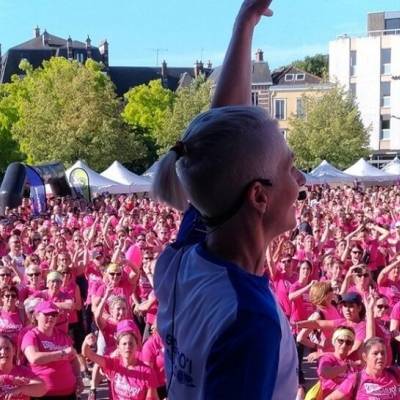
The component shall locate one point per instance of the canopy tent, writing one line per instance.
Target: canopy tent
(151, 171)
(393, 167)
(311, 180)
(327, 173)
(118, 173)
(98, 183)
(365, 172)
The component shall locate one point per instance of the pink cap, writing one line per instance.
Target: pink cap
(128, 326)
(46, 307)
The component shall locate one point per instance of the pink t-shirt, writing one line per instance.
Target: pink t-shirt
(359, 327)
(282, 285)
(94, 278)
(124, 289)
(383, 388)
(129, 383)
(58, 376)
(153, 355)
(10, 324)
(391, 290)
(7, 381)
(302, 308)
(330, 384)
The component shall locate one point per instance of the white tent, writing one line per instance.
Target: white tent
(393, 167)
(327, 173)
(151, 171)
(98, 183)
(118, 173)
(311, 180)
(365, 172)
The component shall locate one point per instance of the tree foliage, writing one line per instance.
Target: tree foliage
(67, 111)
(9, 148)
(316, 65)
(147, 105)
(331, 130)
(189, 102)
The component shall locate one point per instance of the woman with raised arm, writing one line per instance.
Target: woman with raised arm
(241, 197)
(129, 377)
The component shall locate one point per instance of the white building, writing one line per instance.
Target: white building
(369, 67)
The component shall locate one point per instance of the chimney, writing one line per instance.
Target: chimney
(45, 38)
(164, 72)
(88, 47)
(70, 54)
(36, 32)
(259, 55)
(198, 68)
(103, 48)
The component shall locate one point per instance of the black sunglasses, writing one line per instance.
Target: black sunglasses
(115, 273)
(345, 341)
(34, 274)
(382, 306)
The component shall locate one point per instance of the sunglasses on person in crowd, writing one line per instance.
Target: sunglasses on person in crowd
(347, 342)
(365, 275)
(2, 275)
(10, 296)
(115, 274)
(382, 306)
(34, 274)
(52, 314)
(356, 252)
(65, 273)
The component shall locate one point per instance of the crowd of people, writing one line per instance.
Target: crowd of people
(77, 299)
(76, 294)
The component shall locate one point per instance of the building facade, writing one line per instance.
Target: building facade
(290, 86)
(44, 45)
(369, 67)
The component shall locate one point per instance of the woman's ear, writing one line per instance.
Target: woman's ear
(258, 197)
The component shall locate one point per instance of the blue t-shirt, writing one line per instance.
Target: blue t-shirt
(221, 326)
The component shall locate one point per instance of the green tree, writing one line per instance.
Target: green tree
(189, 102)
(147, 105)
(145, 111)
(316, 65)
(9, 148)
(69, 111)
(331, 130)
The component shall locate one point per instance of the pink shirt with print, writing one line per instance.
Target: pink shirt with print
(129, 383)
(385, 387)
(58, 376)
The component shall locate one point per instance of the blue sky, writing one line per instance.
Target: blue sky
(187, 30)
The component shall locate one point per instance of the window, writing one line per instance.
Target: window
(300, 107)
(392, 23)
(385, 94)
(386, 59)
(254, 98)
(385, 127)
(353, 90)
(289, 77)
(300, 77)
(353, 62)
(79, 57)
(280, 109)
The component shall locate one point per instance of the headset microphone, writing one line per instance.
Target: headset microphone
(302, 193)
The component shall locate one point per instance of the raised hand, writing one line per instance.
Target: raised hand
(253, 10)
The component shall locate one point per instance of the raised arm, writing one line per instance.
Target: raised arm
(234, 84)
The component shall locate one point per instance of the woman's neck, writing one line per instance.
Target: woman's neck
(46, 332)
(129, 361)
(373, 372)
(340, 356)
(6, 368)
